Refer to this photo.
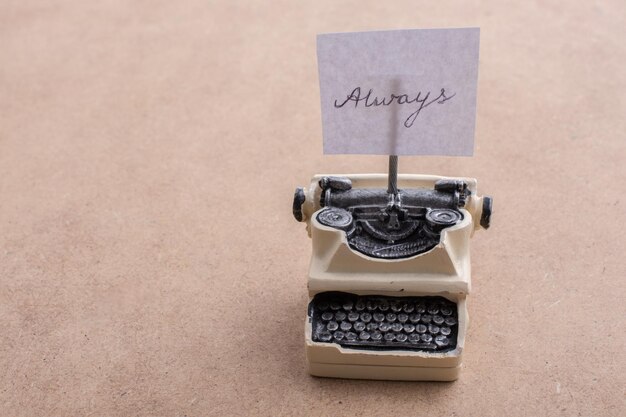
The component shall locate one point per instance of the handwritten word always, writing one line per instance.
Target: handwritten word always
(420, 99)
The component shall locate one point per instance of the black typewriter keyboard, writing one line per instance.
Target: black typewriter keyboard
(384, 323)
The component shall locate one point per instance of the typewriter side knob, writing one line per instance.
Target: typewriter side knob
(485, 216)
(298, 200)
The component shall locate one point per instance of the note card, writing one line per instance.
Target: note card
(399, 92)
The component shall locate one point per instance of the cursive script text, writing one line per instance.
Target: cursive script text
(421, 100)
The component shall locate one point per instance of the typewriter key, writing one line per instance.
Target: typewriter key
(401, 337)
(414, 338)
(441, 341)
(340, 316)
(345, 326)
(327, 316)
(445, 331)
(334, 305)
(360, 305)
(438, 320)
(450, 321)
(415, 318)
(376, 335)
(353, 316)
(384, 306)
(366, 317)
(372, 326)
(433, 329)
(378, 317)
(348, 305)
(325, 336)
(409, 328)
(426, 338)
(396, 327)
(426, 318)
(396, 307)
(364, 335)
(391, 317)
(390, 337)
(332, 326)
(351, 336)
(420, 328)
(338, 335)
(384, 327)
(408, 307)
(359, 326)
(402, 318)
(433, 309)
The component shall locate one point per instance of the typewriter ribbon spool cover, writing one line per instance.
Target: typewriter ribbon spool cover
(390, 267)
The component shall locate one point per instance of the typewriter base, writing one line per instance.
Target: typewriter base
(329, 360)
(393, 373)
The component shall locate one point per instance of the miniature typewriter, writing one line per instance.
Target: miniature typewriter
(389, 273)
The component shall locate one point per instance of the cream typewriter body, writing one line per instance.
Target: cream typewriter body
(389, 274)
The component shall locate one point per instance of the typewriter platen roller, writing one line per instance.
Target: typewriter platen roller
(389, 274)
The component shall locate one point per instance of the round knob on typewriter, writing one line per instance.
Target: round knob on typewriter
(336, 217)
(298, 200)
(485, 217)
(439, 219)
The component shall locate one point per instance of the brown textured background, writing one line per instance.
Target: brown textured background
(149, 262)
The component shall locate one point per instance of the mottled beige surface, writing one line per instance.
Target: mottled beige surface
(149, 263)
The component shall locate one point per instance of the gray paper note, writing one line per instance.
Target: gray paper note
(400, 92)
